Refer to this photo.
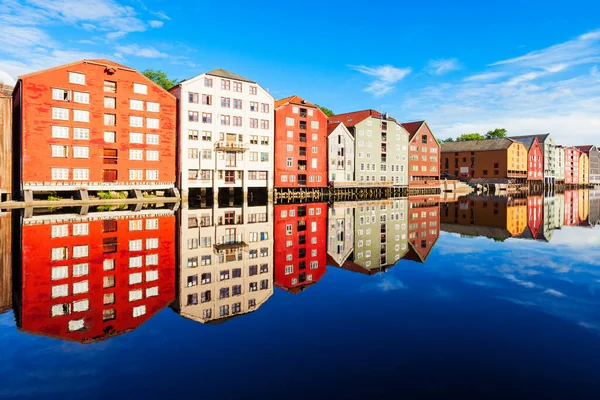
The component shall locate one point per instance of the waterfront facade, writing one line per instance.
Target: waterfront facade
(300, 251)
(423, 156)
(584, 168)
(423, 226)
(225, 128)
(340, 144)
(5, 146)
(486, 159)
(90, 278)
(340, 232)
(593, 155)
(549, 153)
(92, 125)
(572, 156)
(559, 171)
(226, 261)
(535, 158)
(381, 148)
(300, 144)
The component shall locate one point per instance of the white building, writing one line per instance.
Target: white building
(226, 264)
(340, 143)
(560, 164)
(226, 133)
(340, 232)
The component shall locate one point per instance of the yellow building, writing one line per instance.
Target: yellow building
(583, 204)
(516, 216)
(584, 169)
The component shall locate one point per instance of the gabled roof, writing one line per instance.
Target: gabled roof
(100, 61)
(527, 141)
(295, 100)
(412, 127)
(541, 138)
(586, 149)
(221, 73)
(355, 117)
(331, 127)
(477, 145)
(109, 63)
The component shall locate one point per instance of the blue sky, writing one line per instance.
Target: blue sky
(530, 68)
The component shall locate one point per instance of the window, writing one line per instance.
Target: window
(81, 174)
(237, 104)
(108, 264)
(314, 125)
(110, 137)
(237, 121)
(60, 273)
(135, 262)
(151, 276)
(152, 123)
(151, 174)
(237, 86)
(140, 88)
(136, 174)
(81, 152)
(152, 138)
(80, 229)
(60, 151)
(110, 102)
(76, 325)
(60, 113)
(225, 120)
(60, 94)
(289, 269)
(135, 295)
(208, 82)
(225, 102)
(136, 137)
(151, 292)
(76, 78)
(136, 105)
(206, 154)
(110, 87)
(80, 287)
(139, 311)
(206, 118)
(60, 132)
(225, 84)
(137, 122)
(264, 107)
(264, 124)
(81, 116)
(152, 155)
(136, 154)
(135, 278)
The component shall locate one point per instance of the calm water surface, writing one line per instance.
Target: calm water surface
(482, 297)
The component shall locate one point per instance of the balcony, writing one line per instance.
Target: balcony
(303, 113)
(224, 145)
(229, 247)
(301, 165)
(302, 125)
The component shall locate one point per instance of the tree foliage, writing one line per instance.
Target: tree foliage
(465, 137)
(160, 78)
(326, 110)
(497, 133)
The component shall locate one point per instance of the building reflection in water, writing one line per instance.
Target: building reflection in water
(88, 278)
(5, 262)
(594, 215)
(423, 226)
(300, 245)
(490, 216)
(380, 235)
(226, 261)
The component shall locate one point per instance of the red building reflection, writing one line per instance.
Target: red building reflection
(535, 210)
(571, 208)
(300, 232)
(423, 226)
(88, 279)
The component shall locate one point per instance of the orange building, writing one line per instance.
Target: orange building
(572, 174)
(5, 145)
(423, 156)
(92, 125)
(486, 159)
(87, 279)
(300, 144)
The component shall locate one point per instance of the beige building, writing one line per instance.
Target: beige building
(5, 146)
(226, 266)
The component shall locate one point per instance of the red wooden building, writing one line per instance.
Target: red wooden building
(300, 232)
(423, 156)
(90, 279)
(423, 226)
(535, 161)
(535, 212)
(572, 155)
(95, 125)
(300, 144)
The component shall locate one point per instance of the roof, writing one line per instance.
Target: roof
(293, 99)
(412, 127)
(100, 61)
(541, 138)
(527, 141)
(477, 145)
(586, 149)
(220, 72)
(355, 117)
(331, 127)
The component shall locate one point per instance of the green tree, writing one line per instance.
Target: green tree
(160, 78)
(326, 110)
(465, 137)
(497, 133)
(448, 139)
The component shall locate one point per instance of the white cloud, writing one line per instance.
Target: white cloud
(6, 78)
(134, 49)
(386, 284)
(160, 15)
(555, 293)
(488, 76)
(155, 24)
(443, 66)
(386, 77)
